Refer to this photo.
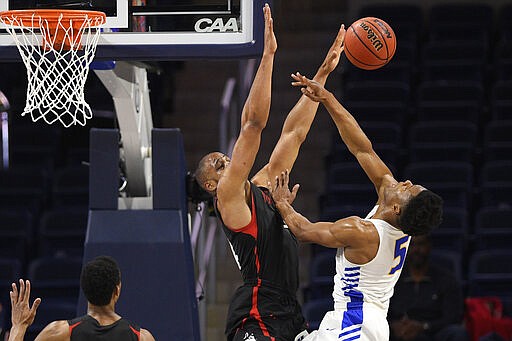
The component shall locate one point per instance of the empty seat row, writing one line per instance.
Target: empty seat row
(59, 232)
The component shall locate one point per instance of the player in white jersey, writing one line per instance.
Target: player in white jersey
(371, 251)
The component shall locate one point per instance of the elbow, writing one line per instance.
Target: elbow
(299, 135)
(365, 147)
(254, 126)
(301, 237)
(300, 234)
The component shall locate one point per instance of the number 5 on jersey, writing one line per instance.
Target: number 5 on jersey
(400, 252)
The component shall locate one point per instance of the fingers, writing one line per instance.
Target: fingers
(300, 80)
(21, 295)
(26, 297)
(308, 93)
(341, 33)
(14, 293)
(284, 178)
(340, 37)
(295, 189)
(35, 305)
(268, 16)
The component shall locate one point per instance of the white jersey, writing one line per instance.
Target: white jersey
(374, 281)
(362, 291)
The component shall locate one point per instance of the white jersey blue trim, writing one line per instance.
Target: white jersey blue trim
(353, 317)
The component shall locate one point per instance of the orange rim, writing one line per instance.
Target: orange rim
(94, 18)
(54, 37)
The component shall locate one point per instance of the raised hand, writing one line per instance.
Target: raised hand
(280, 190)
(22, 314)
(333, 55)
(311, 88)
(270, 38)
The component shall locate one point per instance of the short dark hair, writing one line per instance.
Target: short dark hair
(201, 172)
(422, 213)
(99, 278)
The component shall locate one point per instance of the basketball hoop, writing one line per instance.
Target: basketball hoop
(57, 47)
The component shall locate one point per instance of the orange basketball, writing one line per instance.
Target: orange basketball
(370, 43)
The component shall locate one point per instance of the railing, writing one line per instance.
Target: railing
(4, 106)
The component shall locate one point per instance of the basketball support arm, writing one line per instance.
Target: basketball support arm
(127, 84)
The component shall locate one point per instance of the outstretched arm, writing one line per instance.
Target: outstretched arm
(299, 119)
(231, 188)
(350, 131)
(347, 232)
(22, 315)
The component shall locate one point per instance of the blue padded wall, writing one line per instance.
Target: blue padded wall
(152, 247)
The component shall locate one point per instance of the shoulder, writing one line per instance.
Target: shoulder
(55, 331)
(355, 223)
(356, 227)
(145, 335)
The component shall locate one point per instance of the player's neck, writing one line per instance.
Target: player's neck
(386, 214)
(105, 315)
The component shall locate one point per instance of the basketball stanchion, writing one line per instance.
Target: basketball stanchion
(56, 47)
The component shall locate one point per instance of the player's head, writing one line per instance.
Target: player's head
(100, 280)
(421, 211)
(210, 169)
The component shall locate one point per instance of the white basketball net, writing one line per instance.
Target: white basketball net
(56, 71)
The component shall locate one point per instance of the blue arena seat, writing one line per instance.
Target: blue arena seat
(490, 273)
(454, 51)
(442, 141)
(363, 195)
(71, 187)
(335, 212)
(55, 278)
(39, 159)
(62, 232)
(505, 23)
(323, 266)
(10, 272)
(40, 136)
(388, 91)
(396, 112)
(314, 311)
(400, 68)
(466, 14)
(346, 174)
(493, 228)
(451, 180)
(450, 260)
(322, 271)
(406, 19)
(16, 227)
(452, 70)
(502, 72)
(496, 183)
(47, 312)
(458, 174)
(497, 141)
(501, 98)
(453, 233)
(386, 140)
(450, 100)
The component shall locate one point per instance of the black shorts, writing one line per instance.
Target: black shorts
(245, 335)
(280, 315)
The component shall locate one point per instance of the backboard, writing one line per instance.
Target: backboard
(162, 29)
